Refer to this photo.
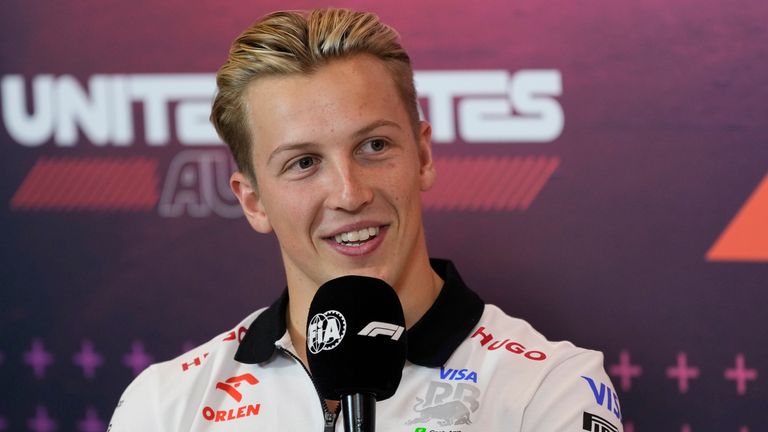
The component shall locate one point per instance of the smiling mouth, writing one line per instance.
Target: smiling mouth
(358, 237)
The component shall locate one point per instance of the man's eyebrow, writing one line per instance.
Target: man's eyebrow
(365, 130)
(287, 147)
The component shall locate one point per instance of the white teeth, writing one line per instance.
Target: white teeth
(352, 238)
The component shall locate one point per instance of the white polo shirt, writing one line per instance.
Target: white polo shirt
(470, 367)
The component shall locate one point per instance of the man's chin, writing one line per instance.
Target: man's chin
(372, 271)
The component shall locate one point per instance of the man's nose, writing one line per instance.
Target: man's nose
(349, 188)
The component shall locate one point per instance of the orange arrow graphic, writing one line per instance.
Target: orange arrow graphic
(746, 236)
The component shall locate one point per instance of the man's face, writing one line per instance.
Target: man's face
(339, 172)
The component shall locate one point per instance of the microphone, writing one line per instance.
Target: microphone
(356, 346)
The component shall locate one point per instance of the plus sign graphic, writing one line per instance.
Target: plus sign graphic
(685, 428)
(625, 370)
(38, 358)
(137, 359)
(91, 422)
(682, 372)
(741, 374)
(41, 422)
(88, 359)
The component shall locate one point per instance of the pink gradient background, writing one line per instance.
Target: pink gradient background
(665, 138)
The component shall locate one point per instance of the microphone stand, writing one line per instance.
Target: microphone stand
(359, 411)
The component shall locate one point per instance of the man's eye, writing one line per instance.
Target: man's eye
(304, 163)
(375, 146)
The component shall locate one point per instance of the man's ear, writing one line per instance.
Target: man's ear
(250, 200)
(427, 171)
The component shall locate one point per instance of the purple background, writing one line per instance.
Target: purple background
(664, 140)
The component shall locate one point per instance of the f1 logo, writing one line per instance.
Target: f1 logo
(231, 384)
(375, 328)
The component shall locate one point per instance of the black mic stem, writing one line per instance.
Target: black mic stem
(359, 411)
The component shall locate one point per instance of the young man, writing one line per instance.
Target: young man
(320, 113)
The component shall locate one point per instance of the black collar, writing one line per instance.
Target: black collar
(431, 341)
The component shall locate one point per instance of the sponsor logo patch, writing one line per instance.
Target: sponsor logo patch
(605, 396)
(487, 340)
(230, 387)
(231, 384)
(236, 335)
(595, 423)
(197, 361)
(449, 374)
(447, 404)
(231, 414)
(375, 328)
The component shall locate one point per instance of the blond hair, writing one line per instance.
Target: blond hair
(296, 42)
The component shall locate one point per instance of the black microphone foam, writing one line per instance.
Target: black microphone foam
(356, 338)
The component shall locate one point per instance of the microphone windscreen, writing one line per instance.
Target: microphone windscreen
(356, 338)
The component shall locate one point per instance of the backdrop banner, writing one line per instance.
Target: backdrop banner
(602, 174)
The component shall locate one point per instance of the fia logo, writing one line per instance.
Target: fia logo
(326, 330)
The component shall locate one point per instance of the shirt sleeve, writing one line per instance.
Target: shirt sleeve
(137, 408)
(576, 395)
